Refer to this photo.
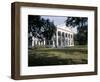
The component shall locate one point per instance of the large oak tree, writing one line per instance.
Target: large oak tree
(81, 23)
(40, 27)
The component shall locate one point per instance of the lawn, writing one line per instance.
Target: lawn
(57, 56)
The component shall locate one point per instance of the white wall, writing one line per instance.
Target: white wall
(5, 40)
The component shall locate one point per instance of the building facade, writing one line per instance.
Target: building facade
(64, 37)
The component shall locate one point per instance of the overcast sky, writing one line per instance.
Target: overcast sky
(58, 20)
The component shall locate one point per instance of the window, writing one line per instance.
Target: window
(71, 35)
(59, 33)
(66, 34)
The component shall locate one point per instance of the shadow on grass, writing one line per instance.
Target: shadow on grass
(37, 60)
(84, 51)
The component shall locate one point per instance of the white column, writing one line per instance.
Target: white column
(64, 39)
(44, 42)
(61, 39)
(73, 39)
(68, 39)
(52, 44)
(36, 42)
(32, 41)
(39, 43)
(69, 42)
(57, 39)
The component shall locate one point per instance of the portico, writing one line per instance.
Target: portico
(64, 37)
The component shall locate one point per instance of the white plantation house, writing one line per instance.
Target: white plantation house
(64, 37)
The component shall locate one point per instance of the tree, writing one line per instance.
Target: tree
(82, 28)
(49, 29)
(34, 25)
(40, 27)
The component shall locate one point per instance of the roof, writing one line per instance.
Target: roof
(64, 27)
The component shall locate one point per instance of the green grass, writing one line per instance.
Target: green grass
(55, 56)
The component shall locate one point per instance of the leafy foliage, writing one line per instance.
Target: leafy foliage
(82, 28)
(49, 29)
(40, 27)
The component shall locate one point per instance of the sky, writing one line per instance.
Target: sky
(58, 20)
